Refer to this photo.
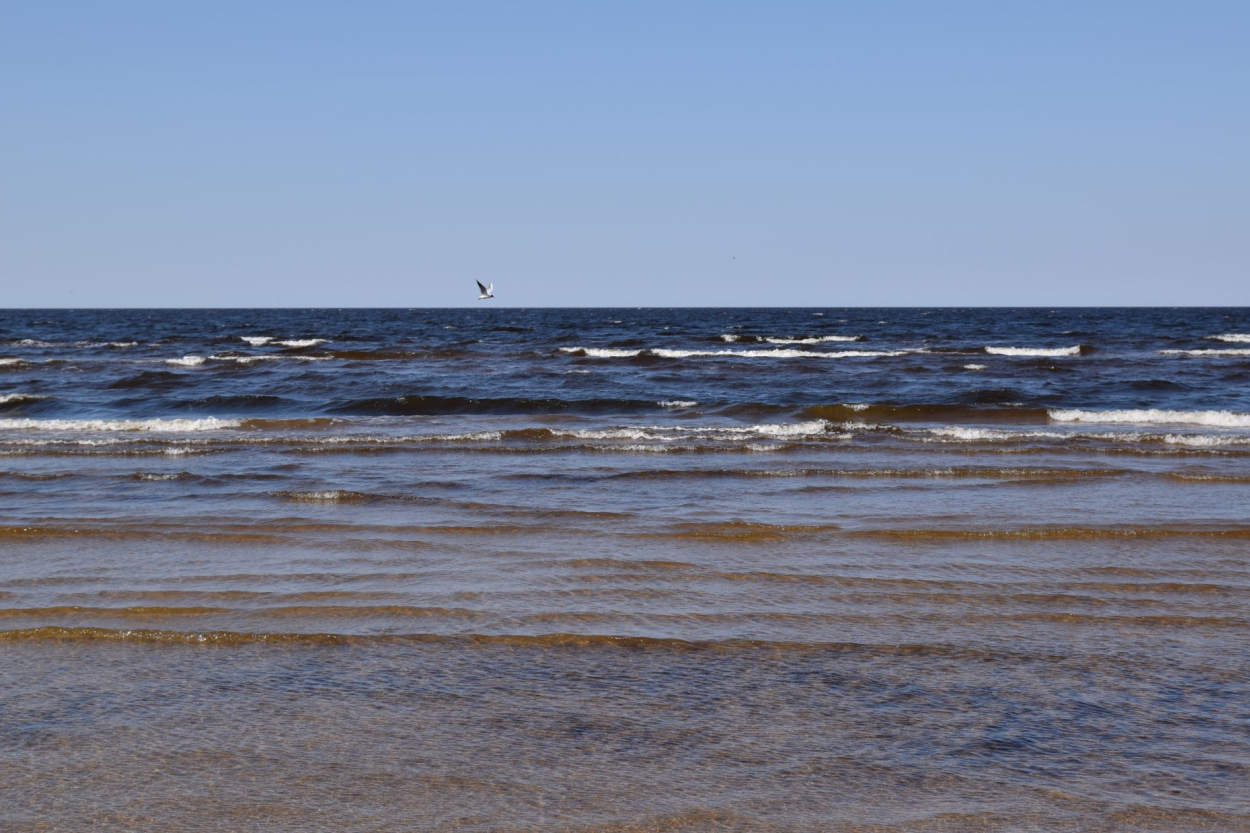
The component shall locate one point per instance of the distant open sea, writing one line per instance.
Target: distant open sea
(625, 569)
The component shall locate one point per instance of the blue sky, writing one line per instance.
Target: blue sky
(624, 153)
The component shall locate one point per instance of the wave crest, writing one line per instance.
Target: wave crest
(1220, 419)
(150, 425)
(666, 353)
(735, 337)
(19, 398)
(1228, 352)
(1052, 352)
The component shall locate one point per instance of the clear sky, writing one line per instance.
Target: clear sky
(624, 153)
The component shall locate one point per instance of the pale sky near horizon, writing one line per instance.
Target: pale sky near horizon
(635, 154)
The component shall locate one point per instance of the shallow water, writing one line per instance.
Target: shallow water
(625, 569)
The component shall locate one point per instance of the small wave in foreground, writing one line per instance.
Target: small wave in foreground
(1219, 419)
(153, 425)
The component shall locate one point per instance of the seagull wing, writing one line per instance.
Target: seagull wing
(482, 288)
(490, 289)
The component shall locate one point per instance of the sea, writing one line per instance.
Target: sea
(625, 569)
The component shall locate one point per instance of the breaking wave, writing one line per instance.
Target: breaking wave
(664, 353)
(302, 342)
(601, 352)
(954, 433)
(809, 428)
(1220, 419)
(1229, 352)
(152, 425)
(812, 340)
(34, 342)
(269, 358)
(1034, 351)
(19, 398)
(325, 496)
(261, 341)
(734, 337)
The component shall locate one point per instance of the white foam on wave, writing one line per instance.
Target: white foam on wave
(476, 436)
(1224, 352)
(611, 434)
(260, 341)
(665, 353)
(9, 362)
(974, 367)
(1219, 419)
(682, 448)
(19, 397)
(148, 425)
(965, 434)
(302, 342)
(1234, 337)
(602, 352)
(638, 447)
(331, 495)
(34, 342)
(812, 340)
(1203, 440)
(186, 361)
(1034, 351)
(683, 433)
(777, 354)
(269, 358)
(677, 403)
(731, 337)
(785, 429)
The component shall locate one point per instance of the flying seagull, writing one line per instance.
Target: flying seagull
(487, 291)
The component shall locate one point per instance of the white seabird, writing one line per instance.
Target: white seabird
(487, 291)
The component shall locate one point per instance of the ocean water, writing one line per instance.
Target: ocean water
(625, 569)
